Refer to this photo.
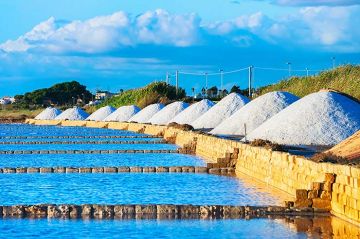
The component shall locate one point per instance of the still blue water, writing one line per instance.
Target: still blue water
(84, 146)
(93, 160)
(55, 228)
(76, 139)
(130, 188)
(35, 130)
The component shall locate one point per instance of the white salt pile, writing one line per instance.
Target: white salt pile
(322, 118)
(74, 113)
(221, 111)
(123, 113)
(193, 112)
(48, 114)
(101, 113)
(145, 114)
(255, 113)
(169, 112)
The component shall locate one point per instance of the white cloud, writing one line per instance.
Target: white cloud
(316, 2)
(334, 28)
(106, 33)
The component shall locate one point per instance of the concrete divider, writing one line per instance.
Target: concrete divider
(168, 211)
(122, 151)
(110, 169)
(85, 142)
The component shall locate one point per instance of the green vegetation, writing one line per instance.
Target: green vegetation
(62, 94)
(153, 93)
(9, 114)
(344, 78)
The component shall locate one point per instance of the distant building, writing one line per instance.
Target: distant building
(7, 100)
(102, 95)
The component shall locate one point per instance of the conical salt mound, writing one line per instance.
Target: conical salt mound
(123, 113)
(255, 113)
(48, 114)
(101, 113)
(322, 118)
(221, 111)
(74, 113)
(169, 112)
(145, 114)
(193, 112)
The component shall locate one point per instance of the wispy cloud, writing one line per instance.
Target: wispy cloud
(314, 2)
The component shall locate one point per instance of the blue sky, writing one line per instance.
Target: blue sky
(112, 45)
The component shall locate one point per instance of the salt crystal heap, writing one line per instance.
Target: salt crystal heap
(255, 113)
(193, 112)
(74, 113)
(323, 118)
(145, 114)
(48, 114)
(123, 113)
(164, 116)
(101, 113)
(221, 111)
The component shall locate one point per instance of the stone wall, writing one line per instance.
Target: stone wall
(293, 174)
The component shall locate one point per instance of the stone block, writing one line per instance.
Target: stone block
(72, 170)
(188, 169)
(303, 202)
(110, 170)
(46, 170)
(21, 170)
(85, 170)
(321, 204)
(53, 211)
(59, 170)
(211, 211)
(124, 210)
(17, 211)
(103, 211)
(33, 170)
(36, 210)
(301, 194)
(313, 194)
(214, 170)
(162, 169)
(201, 169)
(175, 169)
(86, 210)
(97, 170)
(326, 195)
(149, 169)
(145, 209)
(233, 211)
(167, 209)
(329, 177)
(186, 210)
(9, 170)
(75, 211)
(123, 169)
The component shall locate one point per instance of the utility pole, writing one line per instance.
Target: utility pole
(307, 72)
(250, 79)
(221, 79)
(177, 82)
(167, 78)
(206, 80)
(289, 65)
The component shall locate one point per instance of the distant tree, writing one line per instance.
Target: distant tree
(212, 91)
(61, 94)
(235, 89)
